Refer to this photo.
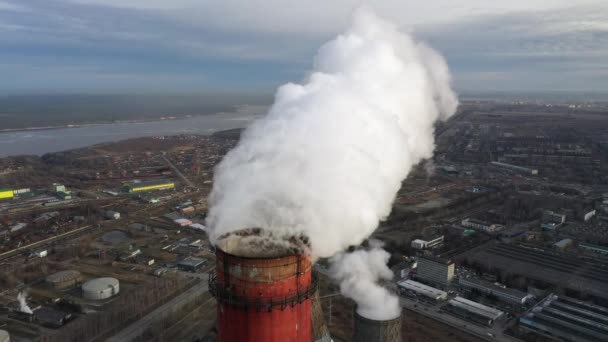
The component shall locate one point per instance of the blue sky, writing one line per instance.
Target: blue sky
(114, 46)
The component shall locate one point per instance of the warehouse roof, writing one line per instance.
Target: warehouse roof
(476, 308)
(493, 287)
(192, 262)
(423, 289)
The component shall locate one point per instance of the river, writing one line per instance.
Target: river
(38, 142)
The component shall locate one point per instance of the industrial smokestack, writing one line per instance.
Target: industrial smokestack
(267, 298)
(367, 330)
(330, 155)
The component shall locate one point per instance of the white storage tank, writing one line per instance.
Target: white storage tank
(4, 336)
(100, 288)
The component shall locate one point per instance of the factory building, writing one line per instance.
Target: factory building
(6, 193)
(51, 318)
(161, 184)
(501, 293)
(563, 244)
(61, 192)
(191, 264)
(367, 330)
(481, 225)
(100, 288)
(553, 217)
(516, 168)
(422, 290)
(22, 192)
(422, 244)
(567, 319)
(435, 271)
(63, 280)
(473, 311)
(562, 270)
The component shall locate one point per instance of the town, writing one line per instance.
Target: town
(502, 236)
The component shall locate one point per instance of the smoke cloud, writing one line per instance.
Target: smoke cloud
(358, 274)
(329, 157)
(23, 307)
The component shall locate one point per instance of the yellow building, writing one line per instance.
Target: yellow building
(151, 185)
(6, 193)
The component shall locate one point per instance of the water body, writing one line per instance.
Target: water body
(38, 142)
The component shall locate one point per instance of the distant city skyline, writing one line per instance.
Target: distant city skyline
(158, 46)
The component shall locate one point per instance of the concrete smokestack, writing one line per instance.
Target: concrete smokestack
(266, 298)
(378, 331)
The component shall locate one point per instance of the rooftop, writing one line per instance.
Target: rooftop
(493, 287)
(543, 265)
(437, 259)
(423, 289)
(477, 308)
(569, 318)
(192, 262)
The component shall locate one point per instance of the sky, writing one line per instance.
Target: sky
(176, 46)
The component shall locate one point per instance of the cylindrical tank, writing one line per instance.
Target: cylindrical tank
(263, 299)
(378, 331)
(100, 288)
(64, 279)
(4, 336)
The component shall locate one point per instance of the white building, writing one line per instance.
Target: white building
(423, 290)
(422, 244)
(474, 310)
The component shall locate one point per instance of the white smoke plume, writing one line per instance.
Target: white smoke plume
(23, 307)
(330, 155)
(358, 274)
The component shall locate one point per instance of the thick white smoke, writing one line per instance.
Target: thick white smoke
(358, 274)
(329, 157)
(23, 307)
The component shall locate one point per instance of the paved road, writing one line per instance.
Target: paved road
(138, 327)
(179, 173)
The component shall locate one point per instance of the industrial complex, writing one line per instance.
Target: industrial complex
(503, 236)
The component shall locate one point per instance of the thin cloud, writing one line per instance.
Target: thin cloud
(270, 42)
